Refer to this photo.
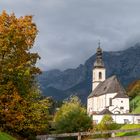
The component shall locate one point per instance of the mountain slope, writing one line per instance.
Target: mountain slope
(125, 64)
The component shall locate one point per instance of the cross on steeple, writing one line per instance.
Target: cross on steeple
(99, 43)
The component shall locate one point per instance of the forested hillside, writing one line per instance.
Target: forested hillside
(61, 84)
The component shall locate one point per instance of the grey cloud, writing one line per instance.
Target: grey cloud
(69, 30)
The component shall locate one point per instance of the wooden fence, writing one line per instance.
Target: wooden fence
(80, 134)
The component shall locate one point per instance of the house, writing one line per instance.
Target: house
(108, 96)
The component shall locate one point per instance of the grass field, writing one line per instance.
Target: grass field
(5, 136)
(129, 126)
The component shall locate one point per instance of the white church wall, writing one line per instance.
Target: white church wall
(96, 74)
(95, 104)
(137, 119)
(120, 118)
(92, 104)
(96, 78)
(109, 97)
(116, 105)
(97, 118)
(95, 84)
(103, 101)
(122, 104)
(89, 105)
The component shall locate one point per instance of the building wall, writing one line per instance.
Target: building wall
(120, 118)
(103, 101)
(116, 106)
(96, 78)
(90, 106)
(122, 104)
(97, 104)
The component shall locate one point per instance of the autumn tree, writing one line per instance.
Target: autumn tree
(72, 117)
(19, 106)
(134, 89)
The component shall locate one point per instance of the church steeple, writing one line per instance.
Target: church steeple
(99, 62)
(99, 71)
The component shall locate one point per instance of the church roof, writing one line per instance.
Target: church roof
(105, 111)
(110, 85)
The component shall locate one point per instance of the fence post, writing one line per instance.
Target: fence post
(113, 135)
(79, 136)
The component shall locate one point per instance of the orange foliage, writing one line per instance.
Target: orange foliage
(134, 88)
(19, 107)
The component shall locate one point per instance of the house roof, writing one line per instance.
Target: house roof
(110, 85)
(105, 111)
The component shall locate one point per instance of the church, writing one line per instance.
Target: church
(108, 96)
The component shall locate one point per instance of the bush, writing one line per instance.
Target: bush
(72, 117)
(107, 123)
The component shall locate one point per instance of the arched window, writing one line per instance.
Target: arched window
(100, 75)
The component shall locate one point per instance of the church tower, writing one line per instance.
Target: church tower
(99, 71)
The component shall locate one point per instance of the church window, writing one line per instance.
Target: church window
(126, 121)
(100, 75)
(110, 101)
(138, 121)
(105, 88)
(121, 107)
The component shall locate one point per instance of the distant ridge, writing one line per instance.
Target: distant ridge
(61, 84)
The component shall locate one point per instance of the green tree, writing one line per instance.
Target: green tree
(20, 108)
(133, 91)
(72, 117)
(107, 123)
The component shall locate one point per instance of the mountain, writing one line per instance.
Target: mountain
(61, 84)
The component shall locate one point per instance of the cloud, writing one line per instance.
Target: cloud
(69, 30)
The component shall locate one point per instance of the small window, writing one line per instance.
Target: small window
(110, 101)
(100, 75)
(126, 121)
(121, 107)
(138, 121)
(105, 88)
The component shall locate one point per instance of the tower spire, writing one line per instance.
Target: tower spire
(99, 62)
(99, 71)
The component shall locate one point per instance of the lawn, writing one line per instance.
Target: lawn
(5, 136)
(129, 126)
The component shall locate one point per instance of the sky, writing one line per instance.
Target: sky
(69, 30)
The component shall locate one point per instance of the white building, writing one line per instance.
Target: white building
(108, 96)
(119, 118)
